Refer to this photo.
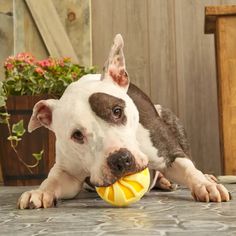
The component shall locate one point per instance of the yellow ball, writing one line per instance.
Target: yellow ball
(127, 190)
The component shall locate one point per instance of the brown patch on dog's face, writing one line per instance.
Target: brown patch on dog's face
(108, 108)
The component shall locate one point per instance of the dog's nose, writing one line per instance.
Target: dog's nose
(121, 161)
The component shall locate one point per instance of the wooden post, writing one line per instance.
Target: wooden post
(221, 20)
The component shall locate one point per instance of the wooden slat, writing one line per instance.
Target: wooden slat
(19, 33)
(26, 35)
(6, 6)
(102, 31)
(137, 45)
(6, 40)
(197, 90)
(33, 40)
(162, 53)
(75, 17)
(51, 29)
(131, 20)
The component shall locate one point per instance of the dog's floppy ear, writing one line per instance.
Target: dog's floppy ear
(42, 114)
(114, 67)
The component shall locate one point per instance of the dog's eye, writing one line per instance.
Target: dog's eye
(78, 136)
(117, 112)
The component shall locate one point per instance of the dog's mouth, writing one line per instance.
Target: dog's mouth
(107, 181)
(118, 164)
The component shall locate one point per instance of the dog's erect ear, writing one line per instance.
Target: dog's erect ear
(114, 67)
(42, 114)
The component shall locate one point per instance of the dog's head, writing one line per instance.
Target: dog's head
(95, 123)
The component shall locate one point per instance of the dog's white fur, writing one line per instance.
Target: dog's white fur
(75, 162)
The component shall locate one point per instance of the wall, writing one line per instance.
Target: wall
(171, 59)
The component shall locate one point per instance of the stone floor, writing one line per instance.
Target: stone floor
(158, 213)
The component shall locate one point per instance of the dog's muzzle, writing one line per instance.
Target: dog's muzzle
(121, 162)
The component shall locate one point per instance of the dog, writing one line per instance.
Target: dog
(106, 128)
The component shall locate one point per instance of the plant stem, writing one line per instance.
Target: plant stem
(28, 167)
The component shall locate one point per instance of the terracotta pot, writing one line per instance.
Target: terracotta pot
(14, 172)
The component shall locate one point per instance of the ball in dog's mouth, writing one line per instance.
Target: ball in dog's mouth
(127, 190)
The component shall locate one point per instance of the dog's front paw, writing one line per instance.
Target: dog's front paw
(36, 199)
(209, 191)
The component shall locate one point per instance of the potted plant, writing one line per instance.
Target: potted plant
(27, 158)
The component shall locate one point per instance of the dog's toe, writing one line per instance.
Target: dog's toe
(225, 194)
(210, 191)
(36, 199)
(48, 200)
(23, 202)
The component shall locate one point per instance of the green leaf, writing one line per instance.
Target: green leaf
(14, 137)
(32, 79)
(4, 114)
(18, 128)
(38, 156)
(2, 91)
(18, 85)
(2, 101)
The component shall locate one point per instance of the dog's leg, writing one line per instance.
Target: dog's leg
(58, 185)
(182, 171)
(160, 182)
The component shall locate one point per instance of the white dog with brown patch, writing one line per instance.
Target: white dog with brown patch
(107, 128)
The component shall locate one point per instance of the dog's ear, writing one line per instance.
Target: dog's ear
(114, 67)
(42, 114)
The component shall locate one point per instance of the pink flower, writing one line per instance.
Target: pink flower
(61, 63)
(9, 60)
(9, 66)
(46, 63)
(39, 70)
(25, 57)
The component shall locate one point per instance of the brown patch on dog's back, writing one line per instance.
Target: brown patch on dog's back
(161, 135)
(174, 124)
(103, 105)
